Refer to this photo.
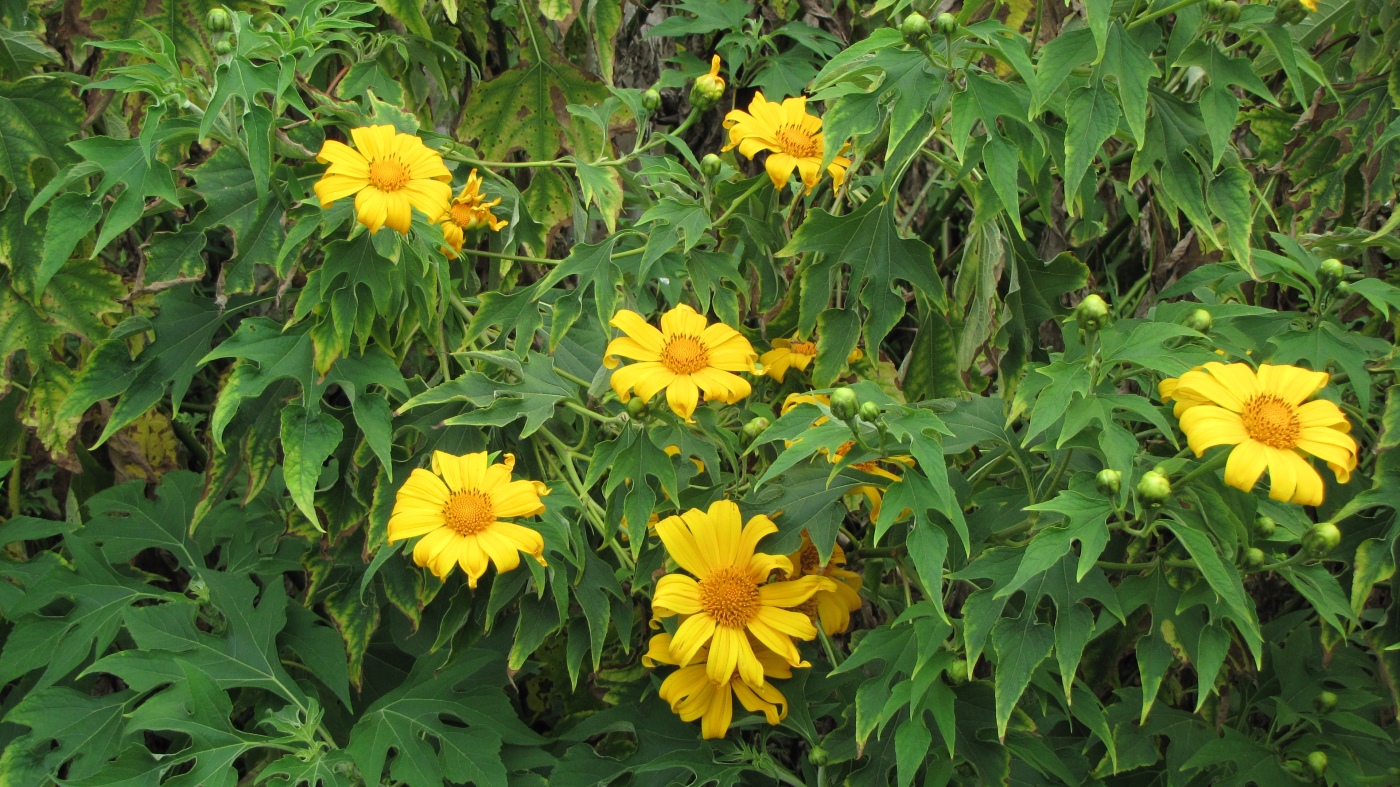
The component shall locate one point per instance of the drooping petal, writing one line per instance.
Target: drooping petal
(715, 723)
(517, 498)
(779, 167)
(524, 539)
(501, 550)
(725, 654)
(1309, 489)
(659, 651)
(681, 545)
(695, 632)
(398, 211)
(333, 187)
(371, 208)
(682, 395)
(644, 379)
(1283, 473)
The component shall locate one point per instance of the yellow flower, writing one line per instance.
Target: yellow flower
(1267, 417)
(469, 212)
(872, 467)
(684, 357)
(1311, 5)
(692, 695)
(389, 173)
(832, 608)
(792, 137)
(794, 400)
(458, 507)
(786, 354)
(728, 600)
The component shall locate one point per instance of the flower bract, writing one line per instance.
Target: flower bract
(389, 174)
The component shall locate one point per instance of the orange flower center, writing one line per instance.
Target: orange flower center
(805, 348)
(730, 596)
(388, 174)
(469, 512)
(808, 559)
(798, 143)
(463, 214)
(685, 355)
(1271, 421)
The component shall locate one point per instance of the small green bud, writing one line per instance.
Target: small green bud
(946, 23)
(1154, 488)
(1092, 313)
(1289, 12)
(1198, 320)
(1108, 481)
(869, 411)
(1325, 701)
(957, 671)
(1264, 527)
(1331, 272)
(1296, 767)
(637, 407)
(819, 756)
(1254, 558)
(1321, 539)
(1230, 12)
(1343, 288)
(915, 28)
(222, 48)
(1213, 7)
(710, 164)
(754, 428)
(651, 100)
(1317, 761)
(218, 20)
(844, 404)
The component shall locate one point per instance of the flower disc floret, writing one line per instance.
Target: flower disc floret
(388, 173)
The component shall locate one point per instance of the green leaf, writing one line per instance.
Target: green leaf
(1327, 344)
(1020, 644)
(181, 20)
(838, 330)
(1086, 522)
(318, 646)
(308, 439)
(709, 16)
(87, 731)
(1228, 195)
(1324, 593)
(516, 313)
(20, 51)
(37, 117)
(1374, 563)
(255, 219)
(1224, 579)
(410, 12)
(523, 109)
(1131, 69)
(1092, 116)
(71, 217)
(497, 403)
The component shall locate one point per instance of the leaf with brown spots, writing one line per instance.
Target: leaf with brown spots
(523, 109)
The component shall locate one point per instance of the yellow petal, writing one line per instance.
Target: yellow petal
(1245, 464)
(694, 633)
(683, 396)
(676, 594)
(681, 546)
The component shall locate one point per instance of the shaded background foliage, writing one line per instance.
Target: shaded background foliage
(213, 388)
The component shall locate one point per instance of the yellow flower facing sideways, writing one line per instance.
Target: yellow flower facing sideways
(875, 467)
(831, 608)
(468, 213)
(792, 138)
(692, 695)
(458, 509)
(389, 174)
(1268, 419)
(729, 597)
(787, 354)
(685, 357)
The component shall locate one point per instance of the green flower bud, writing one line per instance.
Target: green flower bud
(1108, 481)
(1264, 527)
(754, 428)
(1325, 701)
(708, 88)
(1289, 12)
(946, 23)
(222, 48)
(1213, 7)
(1092, 313)
(915, 28)
(1254, 558)
(710, 164)
(1330, 273)
(218, 20)
(1198, 320)
(869, 411)
(819, 756)
(957, 671)
(1230, 11)
(1154, 488)
(844, 404)
(1317, 761)
(1344, 288)
(637, 407)
(651, 100)
(1321, 539)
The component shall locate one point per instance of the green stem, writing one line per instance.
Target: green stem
(723, 217)
(1210, 465)
(885, 552)
(1171, 9)
(581, 410)
(572, 378)
(495, 255)
(827, 646)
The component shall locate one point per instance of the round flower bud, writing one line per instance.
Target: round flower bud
(710, 164)
(637, 407)
(1317, 761)
(844, 404)
(1264, 527)
(651, 100)
(1321, 539)
(218, 20)
(222, 48)
(1198, 320)
(819, 756)
(1330, 272)
(1108, 481)
(915, 28)
(708, 88)
(1092, 313)
(1289, 12)
(1213, 7)
(1344, 288)
(754, 428)
(1325, 701)
(957, 671)
(869, 411)
(946, 23)
(1253, 558)
(1230, 11)
(1154, 488)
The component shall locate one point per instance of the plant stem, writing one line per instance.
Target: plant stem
(581, 410)
(1210, 465)
(516, 257)
(1171, 9)
(723, 217)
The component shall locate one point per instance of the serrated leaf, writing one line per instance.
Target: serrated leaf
(308, 439)
(523, 109)
(37, 118)
(1092, 117)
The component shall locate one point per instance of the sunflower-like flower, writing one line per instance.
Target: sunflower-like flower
(468, 213)
(458, 509)
(685, 357)
(787, 354)
(1265, 415)
(692, 695)
(792, 138)
(389, 173)
(831, 608)
(882, 468)
(728, 600)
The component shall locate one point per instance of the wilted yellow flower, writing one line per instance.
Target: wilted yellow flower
(458, 509)
(469, 212)
(792, 137)
(787, 354)
(1267, 417)
(685, 357)
(692, 695)
(389, 173)
(832, 608)
(728, 600)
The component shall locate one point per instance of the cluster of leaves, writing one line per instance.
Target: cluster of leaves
(213, 388)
